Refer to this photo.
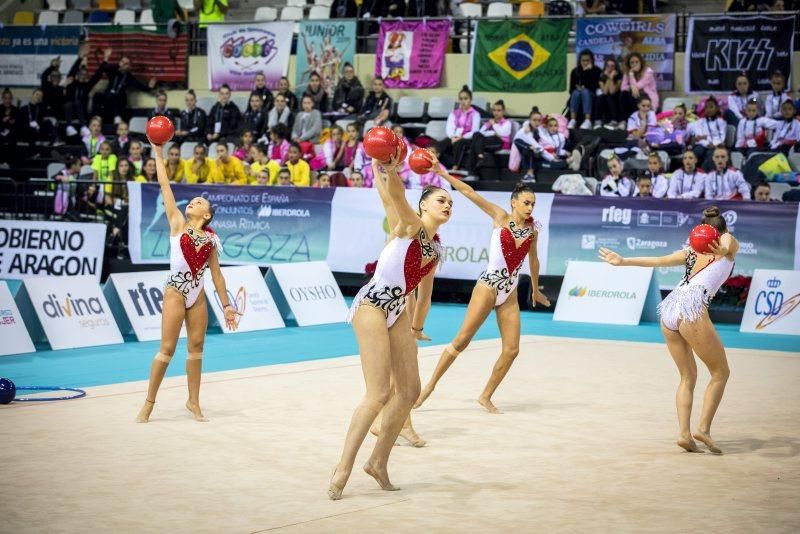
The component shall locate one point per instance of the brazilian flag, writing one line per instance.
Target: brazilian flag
(519, 57)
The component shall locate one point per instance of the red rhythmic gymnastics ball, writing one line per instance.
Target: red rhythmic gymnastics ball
(160, 130)
(701, 237)
(420, 161)
(402, 148)
(381, 144)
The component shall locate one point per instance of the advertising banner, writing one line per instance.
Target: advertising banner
(153, 54)
(258, 225)
(16, 339)
(718, 49)
(237, 53)
(653, 37)
(248, 293)
(579, 226)
(25, 52)
(326, 47)
(773, 303)
(596, 292)
(411, 54)
(41, 248)
(136, 300)
(517, 57)
(72, 311)
(307, 292)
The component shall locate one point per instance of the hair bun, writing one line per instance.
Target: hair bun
(713, 211)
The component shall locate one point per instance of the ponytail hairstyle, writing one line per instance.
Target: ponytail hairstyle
(465, 90)
(712, 217)
(425, 194)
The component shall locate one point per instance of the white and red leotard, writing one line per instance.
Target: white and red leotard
(188, 260)
(403, 263)
(695, 291)
(505, 258)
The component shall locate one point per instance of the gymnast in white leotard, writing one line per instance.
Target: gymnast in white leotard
(687, 327)
(194, 247)
(513, 239)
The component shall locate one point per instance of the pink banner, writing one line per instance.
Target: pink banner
(411, 54)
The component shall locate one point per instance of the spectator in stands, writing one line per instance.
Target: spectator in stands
(174, 165)
(76, 106)
(35, 128)
(418, 8)
(462, 123)
(787, 130)
(120, 144)
(725, 183)
(262, 165)
(775, 99)
(200, 169)
(211, 11)
(349, 92)
(53, 95)
(91, 140)
(230, 169)
(285, 89)
(343, 9)
(761, 192)
(103, 165)
(255, 118)
(279, 143)
(351, 146)
(378, 105)
(323, 181)
(332, 156)
(609, 106)
(285, 177)
(751, 132)
(166, 10)
(65, 188)
(224, 119)
(356, 179)
(637, 81)
(644, 186)
(193, 121)
(655, 173)
(615, 184)
(584, 80)
(135, 155)
(738, 100)
(688, 181)
(9, 123)
(112, 104)
(708, 133)
(640, 122)
(527, 140)
(298, 168)
(161, 107)
(307, 124)
(494, 135)
(87, 198)
(554, 145)
(148, 172)
(317, 93)
(242, 151)
(262, 91)
(280, 113)
(741, 6)
(123, 173)
(590, 7)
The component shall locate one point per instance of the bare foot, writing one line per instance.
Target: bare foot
(336, 486)
(688, 444)
(706, 438)
(412, 437)
(487, 403)
(144, 413)
(196, 411)
(380, 476)
(423, 396)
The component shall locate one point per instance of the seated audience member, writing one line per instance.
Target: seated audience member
(775, 99)
(356, 179)
(35, 128)
(761, 192)
(640, 122)
(262, 165)
(53, 95)
(285, 89)
(671, 134)
(655, 173)
(193, 121)
(65, 188)
(120, 144)
(9, 122)
(688, 181)
(148, 173)
(644, 186)
(136, 156)
(725, 183)
(787, 130)
(280, 113)
(554, 145)
(527, 141)
(242, 150)
(262, 92)
(609, 106)
(119, 190)
(378, 104)
(230, 169)
(255, 118)
(332, 156)
(615, 184)
(90, 143)
(103, 165)
(494, 135)
(751, 132)
(285, 177)
(638, 81)
(351, 145)
(279, 143)
(738, 100)
(462, 123)
(323, 181)
(584, 80)
(349, 94)
(176, 171)
(200, 169)
(161, 107)
(708, 133)
(224, 119)
(317, 93)
(298, 168)
(307, 125)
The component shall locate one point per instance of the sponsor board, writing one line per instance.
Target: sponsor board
(16, 339)
(773, 303)
(307, 292)
(248, 293)
(136, 300)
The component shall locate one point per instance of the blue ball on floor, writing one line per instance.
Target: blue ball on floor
(7, 391)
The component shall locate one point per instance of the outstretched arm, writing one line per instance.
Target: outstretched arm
(676, 258)
(408, 221)
(174, 215)
(533, 262)
(494, 211)
(222, 291)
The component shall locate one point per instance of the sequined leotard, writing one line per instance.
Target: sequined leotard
(695, 291)
(403, 263)
(505, 258)
(188, 260)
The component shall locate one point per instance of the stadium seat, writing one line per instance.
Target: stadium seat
(188, 5)
(777, 189)
(23, 18)
(48, 18)
(146, 17)
(266, 13)
(99, 17)
(72, 16)
(591, 183)
(138, 125)
(410, 107)
(107, 5)
(187, 149)
(737, 160)
(82, 5)
(57, 5)
(296, 3)
(344, 123)
(54, 168)
(471, 10)
(319, 13)
(669, 103)
(326, 3)
(166, 147)
(436, 130)
(241, 101)
(531, 9)
(480, 102)
(206, 102)
(292, 13)
(500, 9)
(730, 135)
(440, 107)
(86, 173)
(125, 16)
(368, 125)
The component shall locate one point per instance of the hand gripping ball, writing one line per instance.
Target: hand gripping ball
(420, 161)
(381, 144)
(702, 236)
(160, 130)
(7, 391)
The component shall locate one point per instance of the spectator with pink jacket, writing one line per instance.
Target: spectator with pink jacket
(494, 135)
(638, 80)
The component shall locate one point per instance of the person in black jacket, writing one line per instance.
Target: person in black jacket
(224, 119)
(344, 9)
(9, 124)
(378, 105)
(53, 94)
(161, 108)
(285, 89)
(255, 118)
(263, 92)
(584, 81)
(113, 102)
(349, 92)
(35, 128)
(193, 121)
